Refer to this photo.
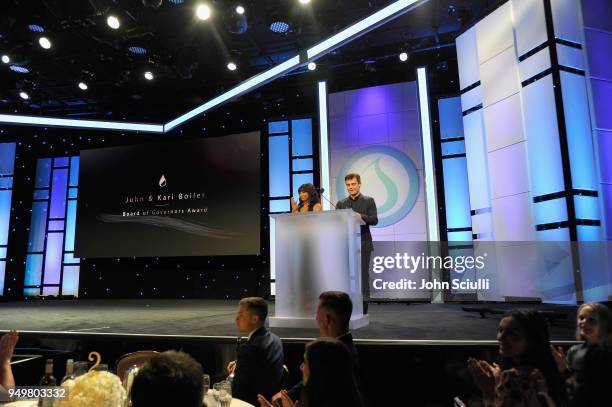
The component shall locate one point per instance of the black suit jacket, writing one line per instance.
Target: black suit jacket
(365, 206)
(259, 367)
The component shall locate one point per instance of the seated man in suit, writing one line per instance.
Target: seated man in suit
(333, 318)
(259, 365)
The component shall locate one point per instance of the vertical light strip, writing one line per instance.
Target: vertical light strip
(428, 158)
(272, 255)
(324, 146)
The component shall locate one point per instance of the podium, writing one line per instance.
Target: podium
(310, 253)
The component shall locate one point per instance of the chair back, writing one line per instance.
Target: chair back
(128, 360)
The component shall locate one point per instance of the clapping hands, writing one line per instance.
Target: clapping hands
(7, 346)
(485, 376)
(560, 358)
(284, 397)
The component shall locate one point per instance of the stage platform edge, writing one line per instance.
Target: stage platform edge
(357, 322)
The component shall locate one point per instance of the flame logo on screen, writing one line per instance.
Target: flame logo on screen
(162, 181)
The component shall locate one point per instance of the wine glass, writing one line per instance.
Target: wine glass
(206, 381)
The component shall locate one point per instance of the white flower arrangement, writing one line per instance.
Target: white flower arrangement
(94, 389)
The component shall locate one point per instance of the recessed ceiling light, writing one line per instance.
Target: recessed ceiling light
(312, 66)
(24, 95)
(403, 57)
(304, 1)
(113, 22)
(203, 11)
(44, 42)
(240, 10)
(231, 66)
(6, 59)
(148, 75)
(83, 86)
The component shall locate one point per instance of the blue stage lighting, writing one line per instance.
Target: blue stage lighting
(36, 28)
(137, 50)
(279, 27)
(176, 2)
(19, 69)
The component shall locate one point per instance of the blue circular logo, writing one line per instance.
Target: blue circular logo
(389, 176)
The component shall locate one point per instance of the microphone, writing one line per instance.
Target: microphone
(321, 190)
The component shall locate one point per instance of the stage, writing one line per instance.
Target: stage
(214, 319)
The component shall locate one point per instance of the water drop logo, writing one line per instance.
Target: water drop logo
(389, 176)
(162, 181)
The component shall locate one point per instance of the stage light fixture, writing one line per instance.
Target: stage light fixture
(312, 66)
(152, 3)
(279, 27)
(403, 56)
(44, 42)
(148, 75)
(240, 10)
(83, 86)
(137, 50)
(24, 95)
(232, 66)
(6, 59)
(236, 20)
(36, 28)
(177, 2)
(19, 69)
(203, 11)
(113, 22)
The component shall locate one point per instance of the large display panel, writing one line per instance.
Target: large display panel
(187, 198)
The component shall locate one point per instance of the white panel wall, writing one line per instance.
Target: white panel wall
(529, 24)
(499, 77)
(469, 72)
(494, 33)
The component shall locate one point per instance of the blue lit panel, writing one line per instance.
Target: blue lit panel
(31, 292)
(5, 213)
(7, 158)
(302, 164)
(58, 193)
(60, 162)
(70, 280)
(301, 137)
(278, 148)
(587, 207)
(2, 253)
(451, 123)
(43, 173)
(38, 225)
(70, 225)
(74, 171)
(278, 127)
(33, 272)
(73, 193)
(453, 147)
(2, 272)
(456, 194)
(459, 236)
(41, 194)
(280, 205)
(70, 259)
(552, 211)
(56, 225)
(53, 258)
(6, 182)
(299, 179)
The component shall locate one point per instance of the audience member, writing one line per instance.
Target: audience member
(328, 376)
(258, 368)
(593, 325)
(7, 346)
(333, 317)
(169, 379)
(592, 380)
(524, 345)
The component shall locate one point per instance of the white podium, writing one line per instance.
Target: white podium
(311, 253)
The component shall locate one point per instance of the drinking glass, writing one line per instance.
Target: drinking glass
(225, 394)
(206, 380)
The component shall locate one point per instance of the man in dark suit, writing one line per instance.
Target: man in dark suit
(333, 318)
(365, 207)
(259, 365)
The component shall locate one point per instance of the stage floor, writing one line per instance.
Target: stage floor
(389, 322)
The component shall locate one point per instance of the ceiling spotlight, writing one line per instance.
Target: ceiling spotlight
(6, 59)
(203, 11)
(304, 1)
(240, 10)
(148, 75)
(19, 69)
(231, 66)
(113, 22)
(83, 86)
(36, 28)
(312, 66)
(403, 57)
(44, 42)
(24, 95)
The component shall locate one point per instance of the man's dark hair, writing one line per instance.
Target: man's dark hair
(169, 379)
(339, 303)
(352, 175)
(257, 306)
